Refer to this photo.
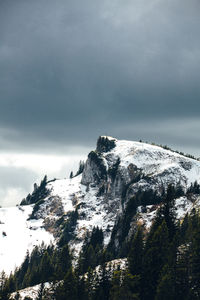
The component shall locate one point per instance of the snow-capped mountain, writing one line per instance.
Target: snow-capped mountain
(112, 175)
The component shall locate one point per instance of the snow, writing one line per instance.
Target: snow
(111, 266)
(154, 160)
(183, 206)
(65, 188)
(31, 292)
(17, 235)
(94, 208)
(146, 218)
(95, 214)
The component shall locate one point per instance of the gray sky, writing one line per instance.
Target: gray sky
(73, 70)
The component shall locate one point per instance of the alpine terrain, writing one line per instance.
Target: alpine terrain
(126, 226)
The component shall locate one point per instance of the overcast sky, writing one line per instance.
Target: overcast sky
(71, 70)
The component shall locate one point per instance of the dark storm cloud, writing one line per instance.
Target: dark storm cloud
(71, 70)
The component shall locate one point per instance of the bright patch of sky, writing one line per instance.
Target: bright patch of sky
(19, 171)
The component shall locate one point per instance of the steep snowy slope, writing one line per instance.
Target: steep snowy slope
(113, 173)
(17, 235)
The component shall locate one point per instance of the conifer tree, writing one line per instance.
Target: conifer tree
(124, 286)
(90, 281)
(136, 253)
(115, 292)
(82, 288)
(184, 228)
(46, 268)
(62, 260)
(130, 287)
(182, 287)
(103, 284)
(4, 288)
(168, 211)
(195, 262)
(40, 292)
(166, 287)
(155, 256)
(69, 288)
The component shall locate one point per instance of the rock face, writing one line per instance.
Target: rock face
(103, 170)
(105, 144)
(120, 168)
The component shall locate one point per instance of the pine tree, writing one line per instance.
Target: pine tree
(103, 285)
(80, 169)
(46, 269)
(155, 256)
(136, 253)
(4, 288)
(182, 287)
(62, 260)
(184, 228)
(90, 281)
(92, 250)
(169, 211)
(40, 292)
(166, 286)
(195, 262)
(3, 280)
(69, 288)
(82, 293)
(22, 271)
(124, 286)
(115, 292)
(130, 287)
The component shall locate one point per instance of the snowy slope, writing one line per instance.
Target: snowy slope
(156, 161)
(31, 292)
(65, 189)
(93, 210)
(17, 235)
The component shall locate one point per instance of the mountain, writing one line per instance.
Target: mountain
(113, 176)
